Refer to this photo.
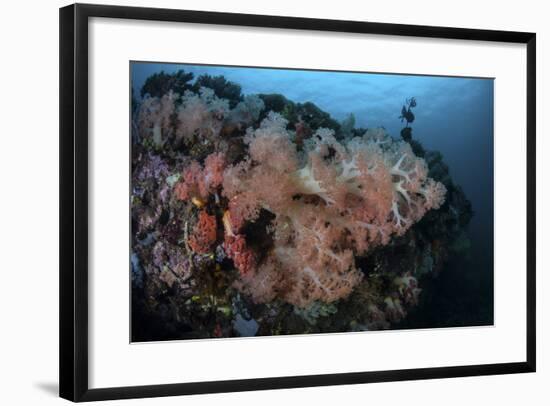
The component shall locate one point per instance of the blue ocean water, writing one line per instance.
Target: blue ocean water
(454, 115)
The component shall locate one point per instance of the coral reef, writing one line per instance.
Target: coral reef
(255, 215)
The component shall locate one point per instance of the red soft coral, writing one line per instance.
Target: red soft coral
(243, 257)
(204, 233)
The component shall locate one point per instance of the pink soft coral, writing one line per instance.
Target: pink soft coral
(198, 181)
(214, 166)
(332, 201)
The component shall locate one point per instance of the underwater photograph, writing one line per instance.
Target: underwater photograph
(271, 201)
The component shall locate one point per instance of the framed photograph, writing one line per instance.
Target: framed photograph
(257, 202)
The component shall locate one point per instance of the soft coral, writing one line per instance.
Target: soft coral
(332, 201)
(198, 181)
(204, 233)
(243, 257)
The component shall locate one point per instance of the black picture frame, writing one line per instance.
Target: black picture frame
(73, 254)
